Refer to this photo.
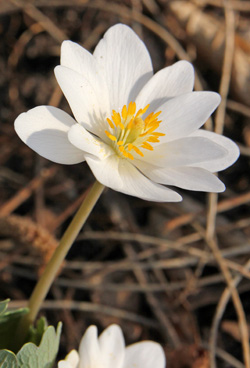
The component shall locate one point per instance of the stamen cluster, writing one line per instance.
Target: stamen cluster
(130, 131)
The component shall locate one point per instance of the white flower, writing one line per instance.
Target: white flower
(136, 130)
(109, 351)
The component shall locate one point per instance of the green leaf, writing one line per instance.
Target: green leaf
(36, 333)
(7, 359)
(43, 356)
(8, 323)
(4, 305)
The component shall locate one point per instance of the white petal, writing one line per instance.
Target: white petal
(182, 152)
(169, 82)
(44, 129)
(75, 57)
(223, 162)
(146, 354)
(125, 63)
(82, 99)
(112, 347)
(64, 364)
(89, 350)
(120, 175)
(86, 142)
(190, 178)
(71, 360)
(184, 114)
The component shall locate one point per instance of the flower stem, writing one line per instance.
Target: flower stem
(51, 270)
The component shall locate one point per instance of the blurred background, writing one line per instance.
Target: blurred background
(179, 273)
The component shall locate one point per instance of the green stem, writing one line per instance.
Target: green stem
(51, 270)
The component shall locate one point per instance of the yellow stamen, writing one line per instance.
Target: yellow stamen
(130, 124)
(148, 118)
(151, 118)
(154, 127)
(124, 112)
(157, 114)
(145, 109)
(130, 156)
(141, 111)
(131, 131)
(117, 119)
(110, 123)
(138, 113)
(147, 146)
(136, 149)
(149, 131)
(131, 108)
(158, 134)
(112, 137)
(153, 122)
(153, 139)
(127, 155)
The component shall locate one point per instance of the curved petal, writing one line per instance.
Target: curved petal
(221, 163)
(71, 360)
(89, 349)
(184, 114)
(146, 354)
(189, 151)
(86, 142)
(82, 99)
(112, 347)
(120, 175)
(189, 178)
(75, 57)
(44, 129)
(169, 82)
(125, 63)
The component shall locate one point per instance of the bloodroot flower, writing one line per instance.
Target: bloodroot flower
(108, 351)
(136, 130)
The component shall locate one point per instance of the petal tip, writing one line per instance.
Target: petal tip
(56, 70)
(221, 187)
(236, 152)
(18, 123)
(186, 64)
(114, 327)
(175, 197)
(217, 98)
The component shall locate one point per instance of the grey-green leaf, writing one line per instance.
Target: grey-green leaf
(36, 333)
(43, 356)
(8, 323)
(7, 359)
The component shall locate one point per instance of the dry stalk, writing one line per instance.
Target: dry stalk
(31, 235)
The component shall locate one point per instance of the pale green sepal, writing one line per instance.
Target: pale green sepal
(43, 356)
(7, 359)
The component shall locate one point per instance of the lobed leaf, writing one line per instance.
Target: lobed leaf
(44, 355)
(7, 359)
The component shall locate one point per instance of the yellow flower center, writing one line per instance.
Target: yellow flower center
(132, 133)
